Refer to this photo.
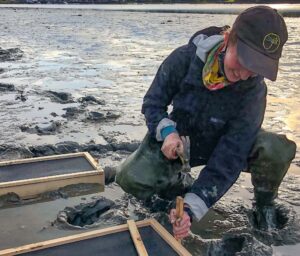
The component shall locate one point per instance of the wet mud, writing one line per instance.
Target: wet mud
(116, 150)
(233, 227)
(9, 199)
(53, 128)
(229, 245)
(282, 229)
(13, 199)
(230, 228)
(91, 100)
(80, 88)
(60, 97)
(6, 87)
(11, 54)
(240, 234)
(72, 112)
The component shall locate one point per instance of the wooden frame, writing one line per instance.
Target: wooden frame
(164, 234)
(136, 238)
(28, 188)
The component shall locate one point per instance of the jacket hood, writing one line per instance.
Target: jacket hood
(205, 43)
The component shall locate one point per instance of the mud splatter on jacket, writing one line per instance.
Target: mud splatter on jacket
(222, 124)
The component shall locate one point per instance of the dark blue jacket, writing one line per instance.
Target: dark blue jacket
(222, 124)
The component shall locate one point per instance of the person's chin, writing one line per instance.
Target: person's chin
(233, 80)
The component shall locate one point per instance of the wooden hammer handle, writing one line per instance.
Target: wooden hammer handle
(179, 207)
(179, 210)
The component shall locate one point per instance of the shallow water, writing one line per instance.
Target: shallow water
(114, 55)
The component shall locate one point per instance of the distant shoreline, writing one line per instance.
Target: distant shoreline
(288, 10)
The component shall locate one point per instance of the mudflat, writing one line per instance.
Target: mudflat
(73, 80)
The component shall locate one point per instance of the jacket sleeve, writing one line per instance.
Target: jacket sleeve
(229, 157)
(163, 88)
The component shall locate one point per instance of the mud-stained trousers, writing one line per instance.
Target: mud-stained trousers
(147, 172)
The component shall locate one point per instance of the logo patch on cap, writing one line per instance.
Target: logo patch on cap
(271, 42)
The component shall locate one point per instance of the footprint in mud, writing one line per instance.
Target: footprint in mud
(9, 199)
(101, 212)
(275, 225)
(232, 226)
(49, 129)
(229, 245)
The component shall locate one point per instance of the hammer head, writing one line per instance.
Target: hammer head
(185, 154)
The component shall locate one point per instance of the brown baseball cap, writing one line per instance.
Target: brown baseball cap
(261, 34)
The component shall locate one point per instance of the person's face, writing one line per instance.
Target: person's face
(234, 71)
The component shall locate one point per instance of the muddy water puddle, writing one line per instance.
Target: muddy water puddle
(35, 222)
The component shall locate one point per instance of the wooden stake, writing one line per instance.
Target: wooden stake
(179, 211)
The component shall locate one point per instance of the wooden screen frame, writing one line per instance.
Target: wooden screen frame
(164, 234)
(29, 188)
